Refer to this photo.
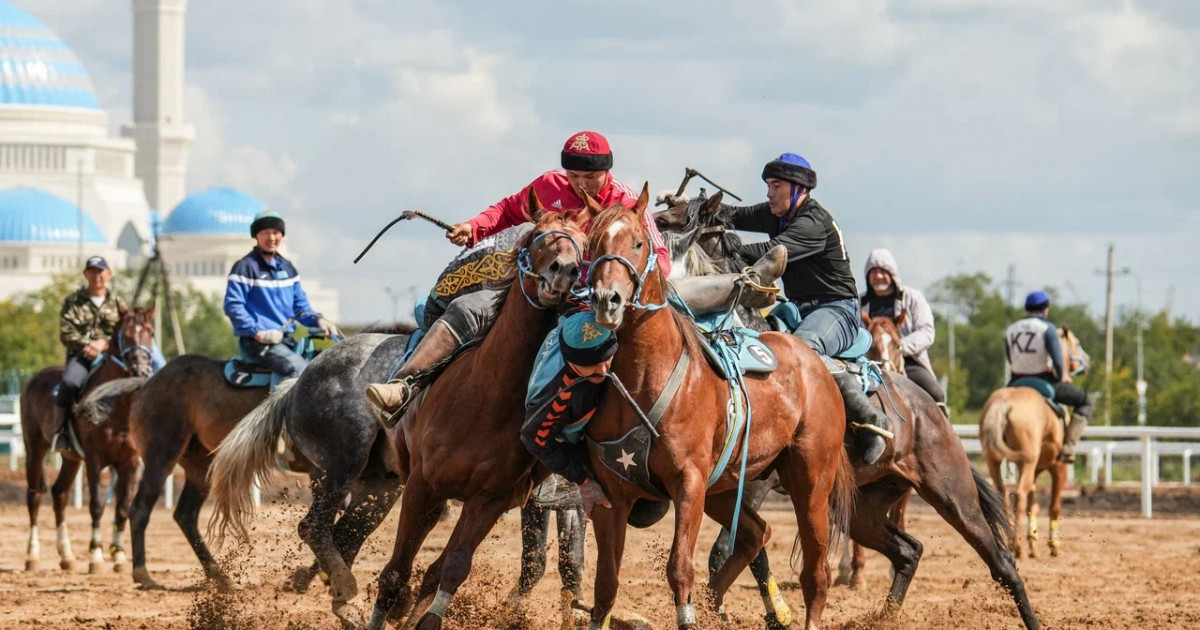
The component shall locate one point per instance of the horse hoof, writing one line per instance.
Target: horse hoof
(94, 568)
(32, 565)
(146, 583)
(221, 582)
(628, 621)
(342, 585)
(773, 622)
(121, 567)
(350, 616)
(67, 565)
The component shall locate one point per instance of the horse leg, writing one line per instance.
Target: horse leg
(1027, 486)
(35, 478)
(873, 526)
(1058, 481)
(187, 512)
(160, 452)
(371, 502)
(419, 512)
(316, 530)
(681, 574)
(753, 533)
(778, 613)
(608, 524)
(59, 493)
(96, 509)
(129, 475)
(811, 491)
(479, 515)
(978, 514)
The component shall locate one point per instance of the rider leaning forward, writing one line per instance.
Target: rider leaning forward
(818, 278)
(1033, 350)
(468, 309)
(263, 294)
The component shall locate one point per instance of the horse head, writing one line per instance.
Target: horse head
(623, 262)
(1078, 359)
(553, 255)
(132, 343)
(695, 235)
(885, 340)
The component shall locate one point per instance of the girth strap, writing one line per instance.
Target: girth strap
(671, 388)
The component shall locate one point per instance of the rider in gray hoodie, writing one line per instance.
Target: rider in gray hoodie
(886, 296)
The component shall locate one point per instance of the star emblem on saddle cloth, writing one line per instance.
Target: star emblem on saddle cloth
(590, 332)
(626, 460)
(580, 143)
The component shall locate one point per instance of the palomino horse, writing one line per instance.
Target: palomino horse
(179, 417)
(104, 444)
(798, 428)
(928, 457)
(330, 423)
(1019, 426)
(461, 438)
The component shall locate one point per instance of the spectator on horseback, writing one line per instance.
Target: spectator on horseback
(557, 414)
(586, 161)
(1033, 349)
(262, 297)
(887, 296)
(817, 279)
(88, 319)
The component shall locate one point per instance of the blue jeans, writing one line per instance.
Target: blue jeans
(829, 328)
(280, 358)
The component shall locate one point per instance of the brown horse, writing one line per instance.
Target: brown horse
(798, 426)
(1017, 425)
(104, 444)
(885, 350)
(461, 438)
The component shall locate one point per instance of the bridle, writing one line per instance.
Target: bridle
(525, 262)
(639, 280)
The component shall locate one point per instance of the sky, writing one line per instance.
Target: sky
(965, 135)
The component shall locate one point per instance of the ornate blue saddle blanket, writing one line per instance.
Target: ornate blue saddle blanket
(1043, 387)
(240, 372)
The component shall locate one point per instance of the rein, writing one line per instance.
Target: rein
(120, 357)
(639, 279)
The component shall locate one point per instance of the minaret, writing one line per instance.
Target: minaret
(163, 139)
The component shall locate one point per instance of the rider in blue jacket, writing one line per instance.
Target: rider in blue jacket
(263, 294)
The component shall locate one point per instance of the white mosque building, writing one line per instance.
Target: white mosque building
(68, 190)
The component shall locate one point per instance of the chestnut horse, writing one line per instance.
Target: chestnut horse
(925, 456)
(461, 437)
(1017, 425)
(797, 429)
(104, 441)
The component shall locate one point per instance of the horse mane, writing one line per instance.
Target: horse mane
(99, 402)
(393, 328)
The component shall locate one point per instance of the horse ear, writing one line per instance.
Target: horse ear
(591, 207)
(712, 205)
(150, 312)
(899, 320)
(121, 309)
(643, 202)
(866, 317)
(533, 207)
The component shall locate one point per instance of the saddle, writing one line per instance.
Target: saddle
(243, 373)
(786, 318)
(1043, 387)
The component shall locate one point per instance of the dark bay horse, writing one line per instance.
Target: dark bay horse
(797, 429)
(461, 438)
(104, 440)
(926, 456)
(330, 423)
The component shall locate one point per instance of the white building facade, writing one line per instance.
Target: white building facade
(68, 190)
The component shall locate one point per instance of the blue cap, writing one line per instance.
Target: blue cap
(1037, 301)
(584, 342)
(96, 262)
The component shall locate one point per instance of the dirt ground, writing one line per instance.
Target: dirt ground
(1117, 572)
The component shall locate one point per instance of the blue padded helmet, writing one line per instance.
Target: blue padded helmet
(1037, 301)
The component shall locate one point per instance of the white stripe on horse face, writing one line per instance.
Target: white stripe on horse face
(886, 341)
(615, 228)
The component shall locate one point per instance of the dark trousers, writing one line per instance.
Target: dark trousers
(925, 379)
(280, 357)
(72, 380)
(535, 529)
(1075, 396)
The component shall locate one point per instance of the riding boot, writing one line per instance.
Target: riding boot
(61, 441)
(871, 425)
(437, 345)
(1071, 437)
(715, 294)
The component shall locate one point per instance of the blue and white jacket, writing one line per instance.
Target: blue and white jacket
(261, 295)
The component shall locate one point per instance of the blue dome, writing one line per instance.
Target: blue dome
(218, 211)
(29, 215)
(38, 68)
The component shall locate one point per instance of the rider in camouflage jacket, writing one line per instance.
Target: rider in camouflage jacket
(82, 322)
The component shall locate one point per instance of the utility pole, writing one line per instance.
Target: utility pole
(1010, 285)
(1109, 273)
(1141, 375)
(394, 296)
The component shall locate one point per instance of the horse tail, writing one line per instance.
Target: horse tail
(993, 509)
(991, 429)
(841, 510)
(245, 457)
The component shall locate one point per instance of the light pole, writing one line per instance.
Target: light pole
(1109, 273)
(1141, 375)
(394, 296)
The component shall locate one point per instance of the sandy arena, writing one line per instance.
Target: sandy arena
(1117, 572)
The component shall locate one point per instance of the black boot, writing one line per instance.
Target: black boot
(870, 425)
(61, 441)
(1071, 437)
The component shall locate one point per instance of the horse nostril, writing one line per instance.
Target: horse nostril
(554, 267)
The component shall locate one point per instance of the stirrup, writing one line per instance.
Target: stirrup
(768, 290)
(389, 417)
(887, 435)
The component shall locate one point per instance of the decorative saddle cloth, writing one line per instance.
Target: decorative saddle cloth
(1043, 387)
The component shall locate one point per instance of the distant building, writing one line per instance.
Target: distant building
(68, 190)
